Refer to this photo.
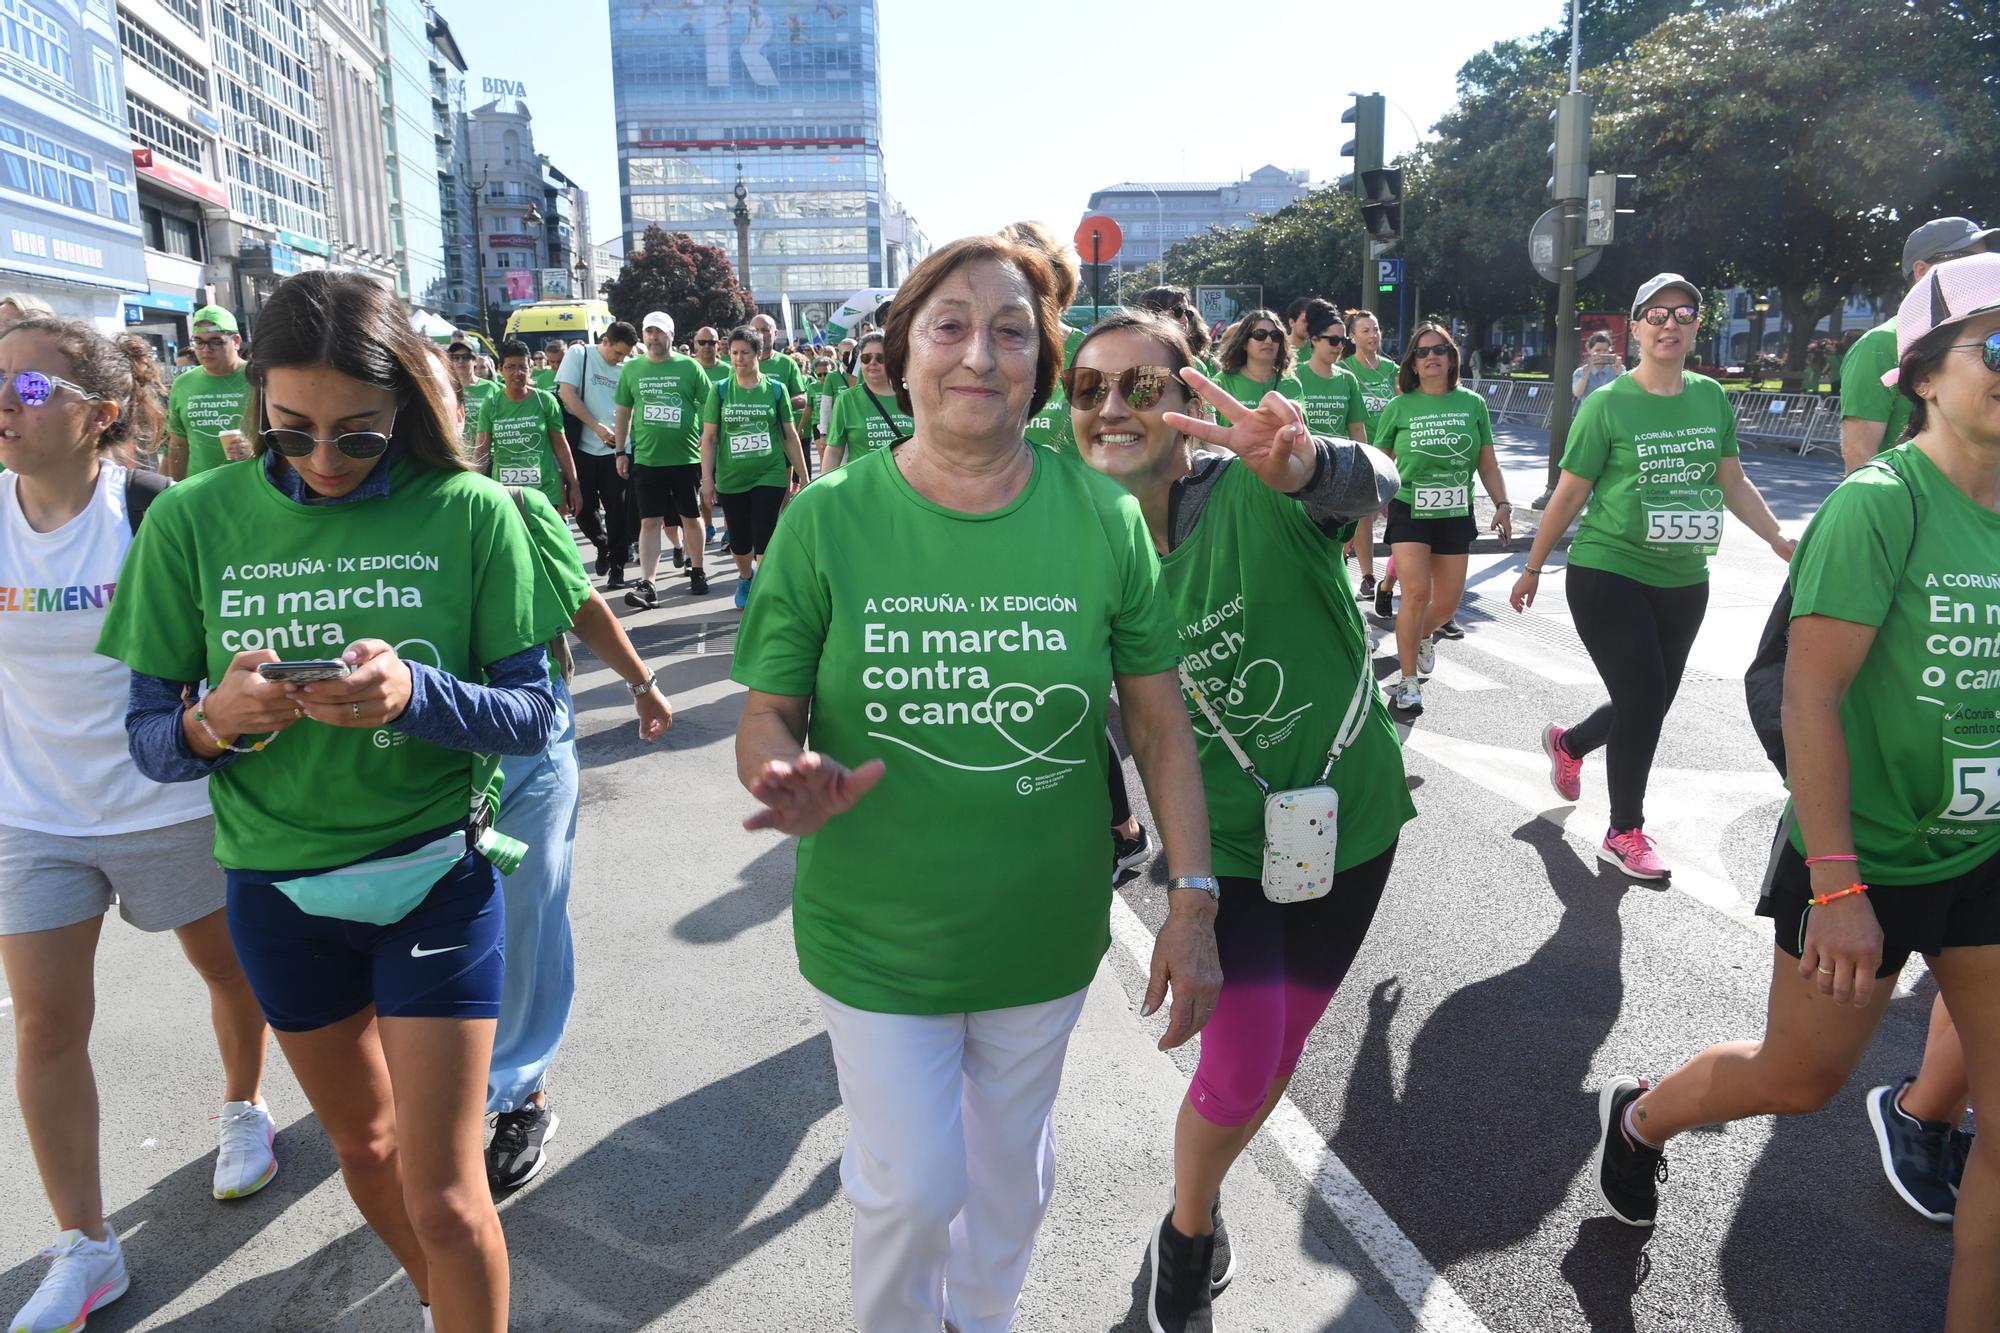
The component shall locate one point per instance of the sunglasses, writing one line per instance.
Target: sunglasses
(1989, 353)
(458, 356)
(1337, 339)
(1265, 335)
(210, 344)
(1658, 315)
(704, 342)
(353, 443)
(873, 359)
(1430, 350)
(34, 389)
(1140, 386)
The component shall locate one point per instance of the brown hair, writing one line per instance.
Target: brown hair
(1406, 373)
(1235, 352)
(1924, 359)
(119, 370)
(1063, 258)
(921, 285)
(356, 326)
(1171, 300)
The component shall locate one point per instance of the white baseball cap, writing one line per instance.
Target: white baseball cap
(1951, 293)
(659, 319)
(1658, 283)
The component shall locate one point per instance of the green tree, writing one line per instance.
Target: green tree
(1310, 247)
(694, 283)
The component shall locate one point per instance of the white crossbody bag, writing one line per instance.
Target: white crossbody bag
(1301, 824)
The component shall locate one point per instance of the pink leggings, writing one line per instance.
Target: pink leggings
(1280, 968)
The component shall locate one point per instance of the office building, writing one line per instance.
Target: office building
(1155, 215)
(784, 95)
(410, 151)
(69, 223)
(351, 67)
(460, 302)
(531, 219)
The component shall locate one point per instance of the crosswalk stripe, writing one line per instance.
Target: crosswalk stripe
(1551, 664)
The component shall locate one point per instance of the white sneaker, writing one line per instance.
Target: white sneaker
(1427, 657)
(246, 1162)
(1407, 697)
(428, 1326)
(86, 1275)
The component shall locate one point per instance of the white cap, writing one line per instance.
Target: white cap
(659, 319)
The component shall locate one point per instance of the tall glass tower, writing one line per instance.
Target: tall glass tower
(783, 95)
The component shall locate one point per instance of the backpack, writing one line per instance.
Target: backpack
(140, 488)
(1764, 682)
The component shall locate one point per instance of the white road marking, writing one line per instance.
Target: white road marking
(1463, 679)
(1552, 664)
(1430, 1299)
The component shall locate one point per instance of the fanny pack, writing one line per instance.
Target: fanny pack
(384, 891)
(1301, 824)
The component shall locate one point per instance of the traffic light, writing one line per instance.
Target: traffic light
(1382, 203)
(1610, 198)
(1365, 147)
(1569, 154)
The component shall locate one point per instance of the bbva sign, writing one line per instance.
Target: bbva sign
(503, 87)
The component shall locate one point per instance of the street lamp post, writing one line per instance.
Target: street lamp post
(479, 257)
(742, 216)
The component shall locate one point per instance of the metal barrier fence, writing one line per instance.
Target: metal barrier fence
(1803, 421)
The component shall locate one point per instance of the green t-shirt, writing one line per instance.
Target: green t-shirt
(716, 373)
(200, 406)
(441, 568)
(666, 399)
(555, 551)
(1922, 716)
(1862, 392)
(1052, 427)
(786, 371)
(1436, 439)
(974, 654)
(1378, 386)
(1333, 402)
(1834, 361)
(1270, 633)
(522, 454)
(1251, 392)
(858, 426)
(476, 394)
(543, 379)
(1655, 510)
(750, 434)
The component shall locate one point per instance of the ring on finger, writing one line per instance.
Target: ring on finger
(1826, 971)
(357, 712)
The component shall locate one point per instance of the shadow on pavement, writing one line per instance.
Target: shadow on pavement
(1606, 1268)
(762, 893)
(703, 724)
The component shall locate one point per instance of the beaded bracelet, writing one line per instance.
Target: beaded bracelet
(201, 720)
(1845, 856)
(1825, 898)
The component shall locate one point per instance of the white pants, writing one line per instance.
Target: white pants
(951, 1157)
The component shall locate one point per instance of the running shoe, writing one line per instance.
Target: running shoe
(698, 581)
(721, 539)
(1916, 1154)
(1565, 773)
(1427, 657)
(1629, 1174)
(1367, 588)
(1222, 1268)
(711, 534)
(641, 595)
(1407, 697)
(615, 579)
(428, 1326)
(1129, 854)
(515, 1156)
(1385, 605)
(1961, 1149)
(680, 557)
(246, 1162)
(743, 592)
(86, 1274)
(1634, 853)
(1448, 630)
(603, 562)
(1178, 1299)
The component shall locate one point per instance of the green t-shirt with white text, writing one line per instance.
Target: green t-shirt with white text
(521, 451)
(1333, 402)
(973, 654)
(476, 394)
(1655, 512)
(859, 428)
(1916, 558)
(441, 568)
(543, 379)
(200, 406)
(1863, 395)
(784, 370)
(750, 434)
(1378, 386)
(666, 399)
(1251, 392)
(1436, 440)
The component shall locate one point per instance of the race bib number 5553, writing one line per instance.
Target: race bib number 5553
(1679, 527)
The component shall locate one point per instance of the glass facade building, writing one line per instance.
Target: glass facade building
(409, 134)
(270, 117)
(783, 94)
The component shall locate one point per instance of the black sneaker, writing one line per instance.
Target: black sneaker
(1916, 1154)
(1629, 1173)
(615, 579)
(1961, 1149)
(1448, 630)
(603, 562)
(641, 595)
(697, 581)
(680, 557)
(1222, 1267)
(515, 1155)
(1178, 1301)
(1367, 588)
(1385, 603)
(1128, 855)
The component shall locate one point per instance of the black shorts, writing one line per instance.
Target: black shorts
(1445, 536)
(1959, 913)
(672, 492)
(752, 517)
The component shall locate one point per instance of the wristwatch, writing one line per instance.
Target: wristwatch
(640, 688)
(1207, 884)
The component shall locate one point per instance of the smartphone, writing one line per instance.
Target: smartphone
(304, 673)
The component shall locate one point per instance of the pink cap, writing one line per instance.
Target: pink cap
(1949, 293)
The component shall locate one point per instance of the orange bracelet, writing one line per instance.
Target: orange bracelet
(1825, 898)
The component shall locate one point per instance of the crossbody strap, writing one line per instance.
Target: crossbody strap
(896, 435)
(1350, 726)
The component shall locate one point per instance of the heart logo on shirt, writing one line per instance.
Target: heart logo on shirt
(1710, 497)
(1054, 719)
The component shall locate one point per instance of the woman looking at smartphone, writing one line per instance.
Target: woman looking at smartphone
(368, 923)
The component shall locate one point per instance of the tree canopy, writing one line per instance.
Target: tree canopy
(671, 271)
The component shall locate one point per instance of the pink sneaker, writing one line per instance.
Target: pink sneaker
(1633, 852)
(1565, 773)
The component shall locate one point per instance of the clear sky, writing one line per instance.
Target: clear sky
(998, 110)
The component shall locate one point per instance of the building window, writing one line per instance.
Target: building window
(36, 38)
(187, 11)
(163, 133)
(170, 233)
(151, 50)
(32, 165)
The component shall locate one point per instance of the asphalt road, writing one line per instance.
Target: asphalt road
(1430, 1170)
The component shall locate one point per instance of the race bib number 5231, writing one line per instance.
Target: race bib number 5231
(1440, 500)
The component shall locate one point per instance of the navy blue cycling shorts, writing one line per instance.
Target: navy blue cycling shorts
(444, 960)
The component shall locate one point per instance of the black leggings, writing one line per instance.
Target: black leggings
(1121, 803)
(597, 480)
(752, 517)
(1639, 638)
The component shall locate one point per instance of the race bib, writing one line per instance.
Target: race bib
(663, 414)
(760, 443)
(1975, 790)
(1441, 501)
(1684, 527)
(521, 476)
